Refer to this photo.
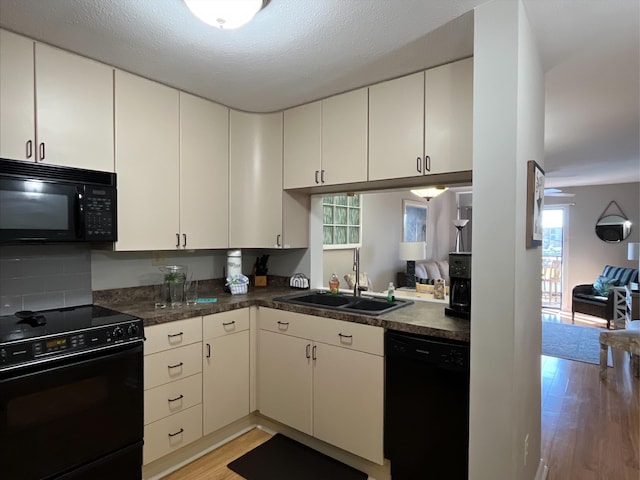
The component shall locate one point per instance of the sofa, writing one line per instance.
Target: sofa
(597, 298)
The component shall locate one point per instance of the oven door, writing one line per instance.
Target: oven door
(63, 416)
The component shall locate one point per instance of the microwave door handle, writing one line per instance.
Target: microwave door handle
(78, 213)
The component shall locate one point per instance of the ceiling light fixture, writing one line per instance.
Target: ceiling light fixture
(430, 192)
(226, 14)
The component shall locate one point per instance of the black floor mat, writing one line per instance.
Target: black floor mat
(281, 458)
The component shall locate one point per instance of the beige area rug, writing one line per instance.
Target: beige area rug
(572, 342)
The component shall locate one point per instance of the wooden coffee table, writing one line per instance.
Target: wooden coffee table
(627, 340)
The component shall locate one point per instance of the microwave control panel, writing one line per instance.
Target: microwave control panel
(100, 213)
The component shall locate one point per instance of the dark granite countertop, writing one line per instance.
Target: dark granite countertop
(424, 318)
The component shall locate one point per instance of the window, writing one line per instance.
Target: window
(341, 220)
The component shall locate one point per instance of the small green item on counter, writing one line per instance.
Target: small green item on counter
(390, 291)
(207, 300)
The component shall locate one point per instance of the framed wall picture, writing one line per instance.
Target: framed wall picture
(414, 221)
(535, 204)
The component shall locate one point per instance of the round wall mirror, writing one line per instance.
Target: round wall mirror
(613, 228)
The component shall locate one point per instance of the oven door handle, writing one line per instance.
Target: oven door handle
(46, 365)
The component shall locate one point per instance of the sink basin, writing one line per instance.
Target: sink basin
(369, 305)
(324, 299)
(347, 303)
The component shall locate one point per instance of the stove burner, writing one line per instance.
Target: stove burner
(31, 317)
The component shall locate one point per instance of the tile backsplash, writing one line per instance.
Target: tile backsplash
(38, 277)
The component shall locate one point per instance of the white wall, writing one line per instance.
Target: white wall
(505, 323)
(382, 234)
(586, 255)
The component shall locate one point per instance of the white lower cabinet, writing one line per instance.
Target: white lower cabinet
(171, 433)
(225, 368)
(325, 378)
(173, 387)
(348, 400)
(285, 380)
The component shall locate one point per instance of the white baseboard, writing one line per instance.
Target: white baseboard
(541, 474)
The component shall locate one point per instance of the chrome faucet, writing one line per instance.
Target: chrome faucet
(356, 268)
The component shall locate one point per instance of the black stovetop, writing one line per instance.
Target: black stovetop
(32, 325)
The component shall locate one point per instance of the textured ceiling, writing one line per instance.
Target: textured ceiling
(296, 51)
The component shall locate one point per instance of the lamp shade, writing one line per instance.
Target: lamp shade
(633, 251)
(413, 250)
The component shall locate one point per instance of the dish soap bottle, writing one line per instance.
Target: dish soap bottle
(334, 284)
(390, 291)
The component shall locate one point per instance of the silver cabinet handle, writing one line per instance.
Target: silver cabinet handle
(177, 240)
(208, 350)
(419, 164)
(316, 177)
(278, 240)
(184, 239)
(307, 350)
(321, 176)
(427, 164)
(313, 352)
(29, 148)
(42, 151)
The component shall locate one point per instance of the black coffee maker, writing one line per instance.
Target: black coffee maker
(460, 288)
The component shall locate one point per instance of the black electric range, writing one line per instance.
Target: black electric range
(29, 337)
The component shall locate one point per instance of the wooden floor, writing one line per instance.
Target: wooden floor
(590, 428)
(213, 466)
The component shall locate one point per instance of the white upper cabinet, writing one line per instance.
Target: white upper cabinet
(344, 137)
(449, 117)
(325, 142)
(74, 100)
(255, 180)
(68, 120)
(396, 128)
(17, 100)
(204, 173)
(302, 146)
(147, 163)
(422, 124)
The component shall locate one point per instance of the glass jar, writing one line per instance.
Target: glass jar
(174, 278)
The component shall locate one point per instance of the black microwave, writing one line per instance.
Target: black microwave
(51, 204)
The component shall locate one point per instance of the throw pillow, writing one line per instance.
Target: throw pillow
(421, 272)
(432, 269)
(443, 266)
(603, 285)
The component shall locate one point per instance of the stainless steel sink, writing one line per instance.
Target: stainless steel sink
(347, 303)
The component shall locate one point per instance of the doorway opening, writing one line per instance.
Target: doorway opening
(552, 256)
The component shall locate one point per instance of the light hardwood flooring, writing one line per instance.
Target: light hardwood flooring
(213, 466)
(590, 428)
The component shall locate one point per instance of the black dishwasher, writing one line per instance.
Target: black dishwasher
(426, 407)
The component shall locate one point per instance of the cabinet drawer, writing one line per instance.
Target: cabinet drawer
(173, 397)
(171, 433)
(172, 334)
(288, 323)
(220, 324)
(170, 365)
(356, 336)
